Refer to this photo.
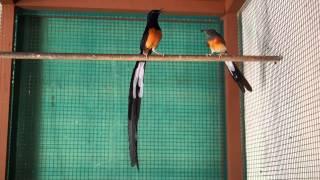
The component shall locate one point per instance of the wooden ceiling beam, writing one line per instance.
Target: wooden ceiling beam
(232, 6)
(187, 7)
(7, 1)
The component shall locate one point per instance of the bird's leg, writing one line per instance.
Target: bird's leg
(221, 54)
(209, 54)
(156, 52)
(145, 54)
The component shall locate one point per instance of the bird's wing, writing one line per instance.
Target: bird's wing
(144, 39)
(221, 39)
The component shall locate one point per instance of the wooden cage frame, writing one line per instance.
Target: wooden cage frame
(226, 9)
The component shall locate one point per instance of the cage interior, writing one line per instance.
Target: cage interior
(70, 118)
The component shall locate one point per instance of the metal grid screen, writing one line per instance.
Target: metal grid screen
(70, 118)
(282, 114)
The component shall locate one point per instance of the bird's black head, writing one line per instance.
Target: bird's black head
(154, 14)
(210, 32)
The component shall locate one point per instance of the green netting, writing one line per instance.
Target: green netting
(70, 117)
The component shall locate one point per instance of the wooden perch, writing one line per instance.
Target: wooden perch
(129, 57)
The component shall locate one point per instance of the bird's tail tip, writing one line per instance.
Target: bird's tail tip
(249, 88)
(135, 163)
(243, 83)
(240, 79)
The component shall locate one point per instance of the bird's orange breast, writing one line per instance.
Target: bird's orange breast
(217, 45)
(154, 37)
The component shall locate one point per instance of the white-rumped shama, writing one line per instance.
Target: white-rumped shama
(148, 44)
(217, 46)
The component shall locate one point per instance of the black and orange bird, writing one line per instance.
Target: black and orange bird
(148, 44)
(217, 45)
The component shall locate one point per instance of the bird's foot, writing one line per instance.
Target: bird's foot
(221, 54)
(157, 53)
(145, 55)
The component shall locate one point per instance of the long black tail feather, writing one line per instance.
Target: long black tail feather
(239, 78)
(134, 107)
(135, 95)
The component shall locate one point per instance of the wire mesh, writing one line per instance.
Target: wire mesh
(71, 117)
(282, 127)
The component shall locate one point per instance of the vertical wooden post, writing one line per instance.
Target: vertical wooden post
(234, 155)
(6, 44)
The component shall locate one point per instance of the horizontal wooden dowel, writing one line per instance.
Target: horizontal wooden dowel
(129, 57)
